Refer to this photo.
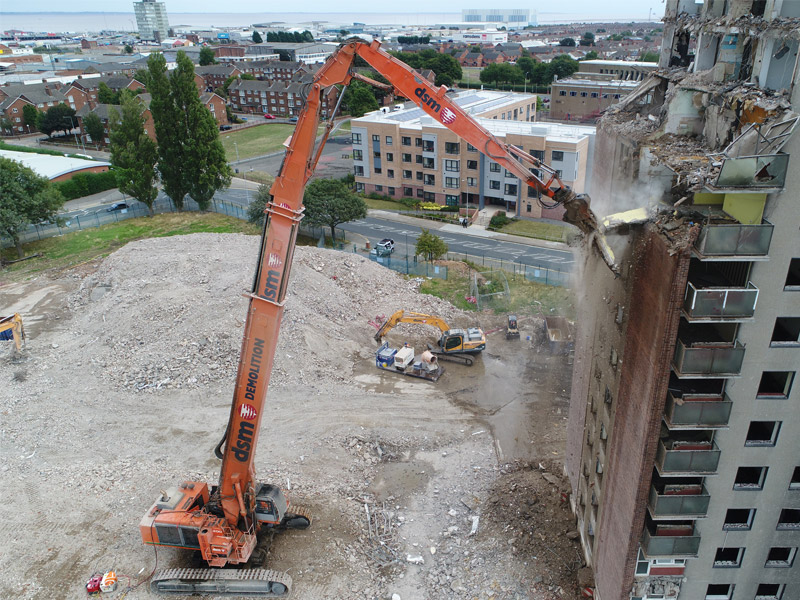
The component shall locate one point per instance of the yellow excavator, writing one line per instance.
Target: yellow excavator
(11, 329)
(453, 341)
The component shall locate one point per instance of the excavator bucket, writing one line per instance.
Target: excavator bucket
(579, 213)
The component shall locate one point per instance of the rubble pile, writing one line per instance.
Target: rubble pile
(177, 322)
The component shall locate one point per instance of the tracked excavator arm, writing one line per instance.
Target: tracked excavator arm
(402, 316)
(11, 329)
(223, 522)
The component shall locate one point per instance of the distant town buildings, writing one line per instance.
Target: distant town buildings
(151, 18)
(510, 17)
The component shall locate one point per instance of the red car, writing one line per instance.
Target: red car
(268, 116)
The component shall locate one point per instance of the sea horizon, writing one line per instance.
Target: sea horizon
(94, 21)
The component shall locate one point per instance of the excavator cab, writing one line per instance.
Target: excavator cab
(271, 504)
(470, 340)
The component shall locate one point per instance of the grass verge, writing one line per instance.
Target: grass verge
(526, 297)
(255, 141)
(536, 229)
(81, 246)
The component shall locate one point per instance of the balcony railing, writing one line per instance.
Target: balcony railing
(679, 458)
(708, 359)
(695, 411)
(766, 172)
(666, 546)
(734, 240)
(664, 505)
(720, 303)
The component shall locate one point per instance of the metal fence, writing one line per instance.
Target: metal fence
(489, 288)
(136, 210)
(410, 266)
(548, 275)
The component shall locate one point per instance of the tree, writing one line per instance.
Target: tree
(57, 118)
(567, 41)
(502, 73)
(330, 202)
(255, 212)
(128, 49)
(94, 127)
(430, 246)
(589, 36)
(527, 65)
(31, 116)
(591, 55)
(27, 198)
(207, 56)
(247, 77)
(562, 66)
(170, 128)
(6, 125)
(444, 79)
(257, 39)
(133, 153)
(359, 99)
(105, 95)
(142, 76)
(207, 164)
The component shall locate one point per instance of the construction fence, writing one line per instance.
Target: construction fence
(136, 210)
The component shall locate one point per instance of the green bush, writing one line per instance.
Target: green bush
(499, 220)
(86, 184)
(409, 202)
(450, 209)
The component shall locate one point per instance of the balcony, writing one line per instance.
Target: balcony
(664, 542)
(762, 173)
(711, 304)
(697, 411)
(678, 501)
(734, 241)
(675, 458)
(708, 359)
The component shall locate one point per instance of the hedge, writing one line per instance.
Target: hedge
(86, 184)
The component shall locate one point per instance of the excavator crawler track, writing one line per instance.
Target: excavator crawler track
(462, 359)
(299, 517)
(260, 583)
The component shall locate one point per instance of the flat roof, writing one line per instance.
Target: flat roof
(473, 102)
(476, 102)
(620, 63)
(51, 166)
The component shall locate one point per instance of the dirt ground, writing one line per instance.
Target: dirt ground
(418, 490)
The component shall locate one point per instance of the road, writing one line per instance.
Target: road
(403, 234)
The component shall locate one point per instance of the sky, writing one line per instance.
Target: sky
(615, 7)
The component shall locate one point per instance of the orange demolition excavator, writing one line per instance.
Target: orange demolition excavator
(223, 522)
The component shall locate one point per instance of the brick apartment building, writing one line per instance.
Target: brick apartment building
(273, 70)
(13, 99)
(682, 448)
(103, 111)
(215, 76)
(405, 153)
(584, 96)
(279, 98)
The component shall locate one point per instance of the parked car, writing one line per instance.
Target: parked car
(225, 127)
(292, 119)
(117, 206)
(385, 247)
(268, 116)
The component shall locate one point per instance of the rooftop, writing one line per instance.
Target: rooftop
(51, 166)
(595, 83)
(620, 63)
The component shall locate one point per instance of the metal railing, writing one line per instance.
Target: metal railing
(723, 303)
(678, 505)
(705, 360)
(734, 239)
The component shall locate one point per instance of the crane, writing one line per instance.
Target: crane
(453, 341)
(223, 522)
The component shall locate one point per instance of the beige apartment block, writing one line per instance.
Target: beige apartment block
(584, 97)
(406, 153)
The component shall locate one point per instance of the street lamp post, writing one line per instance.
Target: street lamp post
(72, 123)
(247, 187)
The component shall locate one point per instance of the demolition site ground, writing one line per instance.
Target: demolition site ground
(418, 489)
